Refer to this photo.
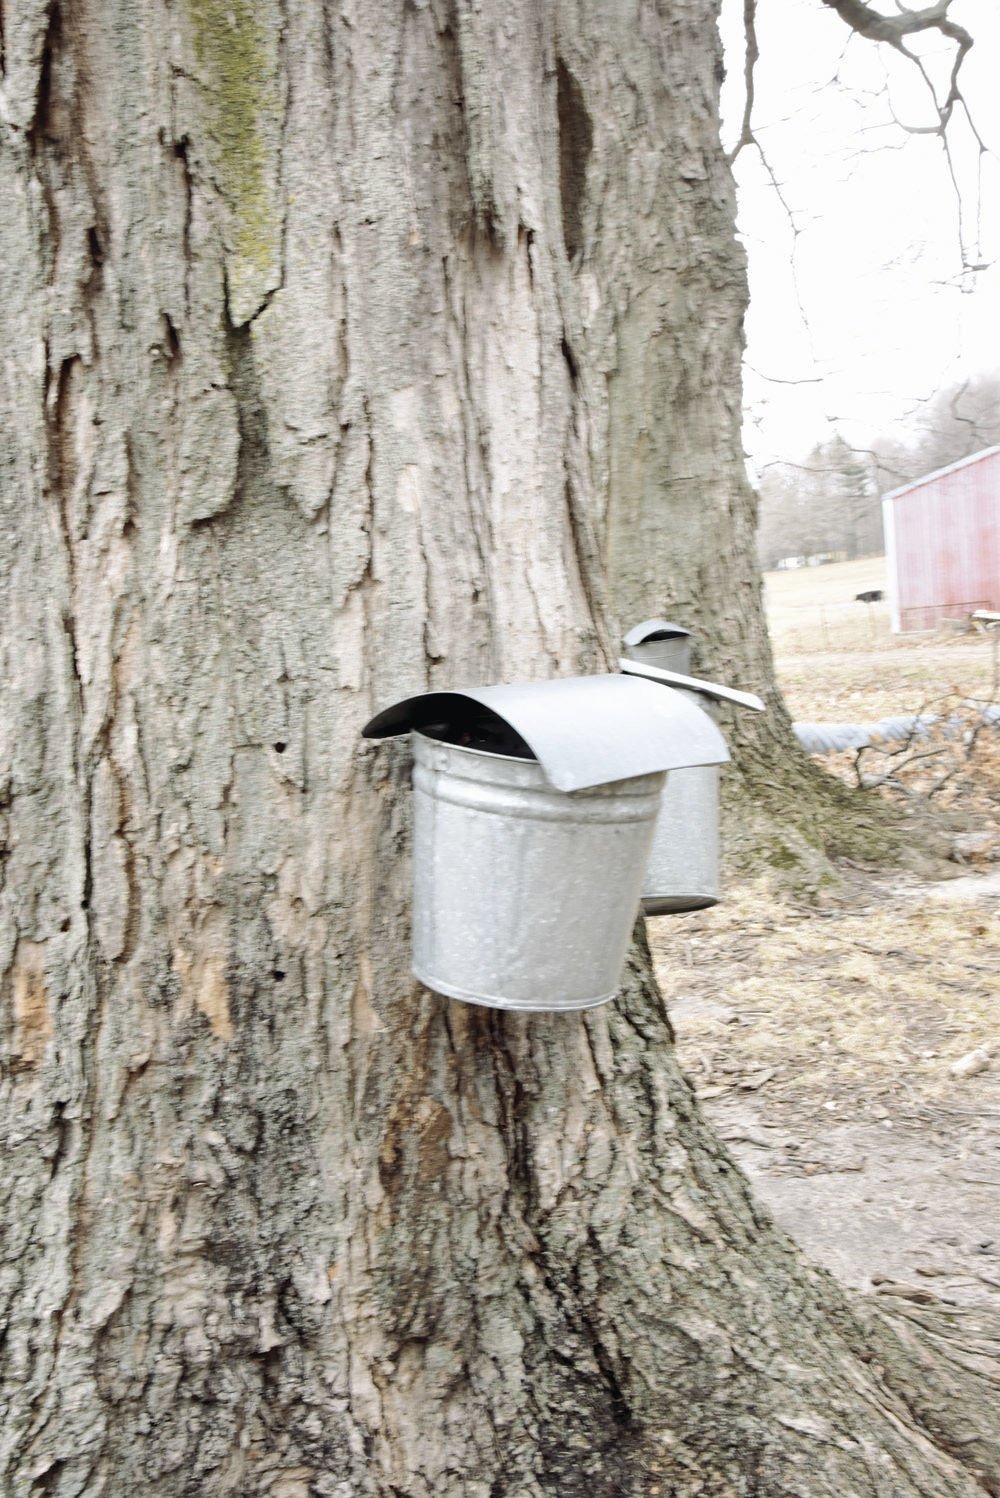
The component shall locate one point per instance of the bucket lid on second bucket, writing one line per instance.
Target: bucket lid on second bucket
(660, 642)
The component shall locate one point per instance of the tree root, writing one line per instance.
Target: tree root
(944, 1363)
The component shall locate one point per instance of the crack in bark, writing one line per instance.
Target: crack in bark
(43, 93)
(576, 141)
(588, 564)
(180, 149)
(482, 529)
(475, 99)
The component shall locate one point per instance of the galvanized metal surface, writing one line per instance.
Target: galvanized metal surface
(655, 629)
(942, 538)
(704, 689)
(583, 730)
(684, 862)
(658, 642)
(683, 872)
(524, 897)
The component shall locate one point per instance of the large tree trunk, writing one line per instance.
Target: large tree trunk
(303, 410)
(661, 289)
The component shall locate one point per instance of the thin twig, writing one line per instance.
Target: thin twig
(751, 53)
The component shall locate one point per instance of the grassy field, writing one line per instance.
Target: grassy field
(837, 660)
(842, 1002)
(847, 1045)
(884, 981)
(834, 585)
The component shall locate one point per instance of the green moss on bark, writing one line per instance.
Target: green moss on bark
(236, 65)
(786, 816)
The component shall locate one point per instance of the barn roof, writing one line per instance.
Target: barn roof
(939, 473)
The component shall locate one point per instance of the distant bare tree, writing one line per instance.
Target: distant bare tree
(827, 503)
(958, 421)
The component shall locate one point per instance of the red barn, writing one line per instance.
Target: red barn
(942, 543)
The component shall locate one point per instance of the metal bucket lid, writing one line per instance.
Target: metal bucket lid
(583, 730)
(693, 684)
(654, 629)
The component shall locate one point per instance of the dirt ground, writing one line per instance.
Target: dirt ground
(849, 1051)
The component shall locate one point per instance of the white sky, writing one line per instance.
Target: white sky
(865, 310)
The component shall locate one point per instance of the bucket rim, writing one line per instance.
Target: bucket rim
(490, 1001)
(517, 759)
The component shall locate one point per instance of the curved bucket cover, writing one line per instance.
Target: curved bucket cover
(583, 730)
(654, 629)
(693, 684)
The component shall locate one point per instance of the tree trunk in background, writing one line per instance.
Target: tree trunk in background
(662, 291)
(317, 367)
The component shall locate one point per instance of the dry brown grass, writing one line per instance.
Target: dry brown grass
(848, 1005)
(860, 1006)
(837, 660)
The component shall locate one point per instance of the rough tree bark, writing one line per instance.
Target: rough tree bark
(662, 286)
(318, 368)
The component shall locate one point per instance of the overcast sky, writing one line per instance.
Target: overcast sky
(859, 303)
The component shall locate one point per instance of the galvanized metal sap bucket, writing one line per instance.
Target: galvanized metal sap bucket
(660, 643)
(533, 821)
(507, 911)
(684, 871)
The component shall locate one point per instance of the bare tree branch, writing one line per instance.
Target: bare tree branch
(892, 29)
(777, 380)
(750, 55)
(895, 29)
